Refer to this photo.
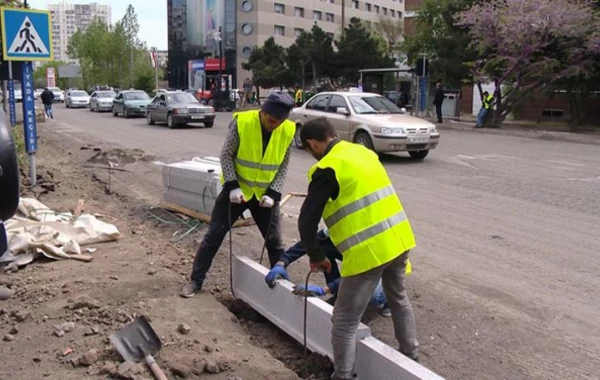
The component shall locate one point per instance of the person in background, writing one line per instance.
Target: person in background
(48, 99)
(438, 100)
(486, 102)
(333, 278)
(298, 96)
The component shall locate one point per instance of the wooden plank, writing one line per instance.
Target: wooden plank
(201, 216)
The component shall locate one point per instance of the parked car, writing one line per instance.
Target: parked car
(59, 95)
(370, 120)
(179, 108)
(18, 95)
(102, 100)
(130, 103)
(77, 99)
(38, 92)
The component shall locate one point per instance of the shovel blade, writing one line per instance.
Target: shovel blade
(136, 340)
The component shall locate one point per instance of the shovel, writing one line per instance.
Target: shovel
(137, 342)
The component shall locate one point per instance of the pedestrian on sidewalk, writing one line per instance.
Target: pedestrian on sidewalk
(48, 99)
(333, 278)
(350, 189)
(254, 163)
(438, 100)
(486, 102)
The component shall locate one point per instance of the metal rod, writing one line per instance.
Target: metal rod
(32, 170)
(220, 60)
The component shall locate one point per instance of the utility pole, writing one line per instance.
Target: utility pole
(155, 62)
(343, 15)
(219, 38)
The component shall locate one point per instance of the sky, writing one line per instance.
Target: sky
(152, 16)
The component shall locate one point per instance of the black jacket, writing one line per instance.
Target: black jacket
(439, 96)
(47, 96)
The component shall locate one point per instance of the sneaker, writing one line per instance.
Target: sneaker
(189, 289)
(385, 311)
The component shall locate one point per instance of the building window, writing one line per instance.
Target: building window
(298, 32)
(355, 4)
(392, 13)
(299, 12)
(279, 8)
(377, 9)
(246, 51)
(368, 7)
(247, 5)
(384, 11)
(247, 29)
(279, 30)
(332, 1)
(329, 17)
(317, 15)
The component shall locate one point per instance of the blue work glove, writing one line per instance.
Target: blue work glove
(277, 272)
(311, 291)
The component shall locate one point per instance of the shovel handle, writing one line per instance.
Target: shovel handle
(156, 371)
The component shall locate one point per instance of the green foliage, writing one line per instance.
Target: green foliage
(267, 64)
(39, 75)
(445, 43)
(390, 30)
(11, 3)
(19, 142)
(112, 55)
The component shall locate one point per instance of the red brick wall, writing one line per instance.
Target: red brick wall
(412, 5)
(466, 102)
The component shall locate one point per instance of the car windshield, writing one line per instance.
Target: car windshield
(78, 93)
(183, 97)
(372, 105)
(136, 96)
(107, 94)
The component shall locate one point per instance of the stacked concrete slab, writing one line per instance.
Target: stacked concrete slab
(374, 359)
(193, 184)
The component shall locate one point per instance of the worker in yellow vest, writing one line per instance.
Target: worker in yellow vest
(298, 97)
(254, 163)
(350, 189)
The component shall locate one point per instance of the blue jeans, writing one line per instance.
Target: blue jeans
(481, 117)
(48, 110)
(297, 251)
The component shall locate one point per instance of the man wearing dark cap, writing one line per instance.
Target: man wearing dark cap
(254, 163)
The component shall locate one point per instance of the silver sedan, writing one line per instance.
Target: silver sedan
(102, 100)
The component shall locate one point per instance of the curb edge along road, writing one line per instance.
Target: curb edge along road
(580, 138)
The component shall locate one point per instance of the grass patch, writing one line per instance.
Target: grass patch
(20, 146)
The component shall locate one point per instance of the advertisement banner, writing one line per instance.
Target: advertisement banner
(196, 74)
(50, 77)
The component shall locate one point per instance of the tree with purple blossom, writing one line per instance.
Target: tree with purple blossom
(526, 45)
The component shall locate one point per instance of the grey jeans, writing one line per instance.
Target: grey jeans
(353, 297)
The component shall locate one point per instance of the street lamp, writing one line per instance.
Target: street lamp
(219, 38)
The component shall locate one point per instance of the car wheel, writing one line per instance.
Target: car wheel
(114, 111)
(363, 138)
(418, 154)
(209, 124)
(297, 140)
(170, 122)
(125, 113)
(149, 118)
(91, 108)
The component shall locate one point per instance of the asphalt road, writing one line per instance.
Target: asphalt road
(508, 241)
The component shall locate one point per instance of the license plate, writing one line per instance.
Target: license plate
(418, 140)
(197, 117)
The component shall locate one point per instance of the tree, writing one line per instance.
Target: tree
(298, 58)
(527, 44)
(321, 55)
(267, 64)
(390, 29)
(39, 75)
(11, 3)
(445, 43)
(359, 49)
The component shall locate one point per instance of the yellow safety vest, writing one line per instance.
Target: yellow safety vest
(366, 222)
(255, 172)
(487, 102)
(298, 96)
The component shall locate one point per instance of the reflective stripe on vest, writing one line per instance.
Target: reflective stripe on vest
(254, 171)
(487, 101)
(366, 222)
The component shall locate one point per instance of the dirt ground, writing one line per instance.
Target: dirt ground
(58, 324)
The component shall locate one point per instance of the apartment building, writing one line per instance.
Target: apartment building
(67, 18)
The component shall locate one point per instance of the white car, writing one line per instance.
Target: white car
(59, 95)
(18, 95)
(102, 100)
(77, 99)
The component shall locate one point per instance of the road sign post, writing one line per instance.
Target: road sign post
(11, 96)
(26, 37)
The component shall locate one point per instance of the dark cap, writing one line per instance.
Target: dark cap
(278, 105)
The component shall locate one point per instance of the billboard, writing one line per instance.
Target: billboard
(196, 74)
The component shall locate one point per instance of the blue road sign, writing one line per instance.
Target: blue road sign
(28, 91)
(26, 35)
(11, 102)
(423, 90)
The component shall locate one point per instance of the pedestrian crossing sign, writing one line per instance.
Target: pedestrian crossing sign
(26, 35)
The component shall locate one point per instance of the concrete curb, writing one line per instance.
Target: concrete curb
(375, 360)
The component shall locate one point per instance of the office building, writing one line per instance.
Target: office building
(249, 23)
(67, 18)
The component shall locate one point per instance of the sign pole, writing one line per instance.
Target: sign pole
(29, 118)
(11, 96)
